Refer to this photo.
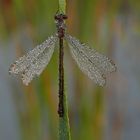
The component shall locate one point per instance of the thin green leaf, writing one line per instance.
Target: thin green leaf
(62, 6)
(64, 128)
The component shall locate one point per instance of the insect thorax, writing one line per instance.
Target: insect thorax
(60, 24)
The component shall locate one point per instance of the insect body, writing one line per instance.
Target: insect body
(92, 63)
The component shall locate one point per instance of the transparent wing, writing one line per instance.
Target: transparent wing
(34, 62)
(92, 63)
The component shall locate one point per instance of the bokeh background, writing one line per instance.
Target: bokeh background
(111, 113)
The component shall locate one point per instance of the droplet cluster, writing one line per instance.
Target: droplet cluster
(92, 63)
(34, 62)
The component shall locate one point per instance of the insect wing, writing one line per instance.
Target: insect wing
(92, 63)
(34, 62)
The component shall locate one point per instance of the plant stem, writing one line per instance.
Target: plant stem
(62, 6)
(61, 79)
(64, 128)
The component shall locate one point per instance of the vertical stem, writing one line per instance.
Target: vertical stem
(62, 5)
(61, 79)
(64, 128)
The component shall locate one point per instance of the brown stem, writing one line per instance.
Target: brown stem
(61, 79)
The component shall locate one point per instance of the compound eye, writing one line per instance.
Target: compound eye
(65, 16)
(56, 17)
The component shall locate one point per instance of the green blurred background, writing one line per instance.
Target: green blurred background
(111, 113)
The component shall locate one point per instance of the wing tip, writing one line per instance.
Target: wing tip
(102, 83)
(26, 80)
(12, 69)
(114, 67)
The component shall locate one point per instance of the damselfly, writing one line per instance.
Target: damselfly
(91, 62)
